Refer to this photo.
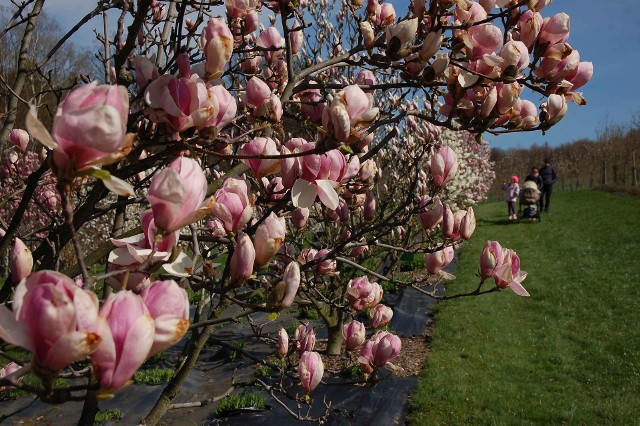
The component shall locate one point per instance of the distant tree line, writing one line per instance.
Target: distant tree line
(611, 161)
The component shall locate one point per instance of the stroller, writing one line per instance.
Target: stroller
(528, 207)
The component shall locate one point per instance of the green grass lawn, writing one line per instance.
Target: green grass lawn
(569, 354)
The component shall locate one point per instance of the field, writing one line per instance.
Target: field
(569, 354)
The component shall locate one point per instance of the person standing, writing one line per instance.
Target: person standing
(511, 192)
(548, 175)
(535, 177)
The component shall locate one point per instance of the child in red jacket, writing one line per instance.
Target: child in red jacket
(511, 192)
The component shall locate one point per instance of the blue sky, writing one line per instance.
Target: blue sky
(606, 33)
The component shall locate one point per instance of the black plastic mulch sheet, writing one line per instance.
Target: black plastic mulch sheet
(383, 403)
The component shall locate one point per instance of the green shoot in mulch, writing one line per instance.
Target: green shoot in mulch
(244, 400)
(569, 354)
(153, 376)
(107, 416)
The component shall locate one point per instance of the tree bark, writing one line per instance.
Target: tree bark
(21, 74)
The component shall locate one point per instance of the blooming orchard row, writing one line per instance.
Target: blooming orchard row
(265, 168)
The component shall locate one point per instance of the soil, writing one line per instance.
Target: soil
(409, 363)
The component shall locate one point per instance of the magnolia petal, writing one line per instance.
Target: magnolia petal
(135, 350)
(13, 331)
(303, 193)
(181, 267)
(122, 257)
(327, 194)
(467, 79)
(69, 348)
(169, 330)
(123, 242)
(518, 289)
(192, 217)
(104, 358)
(118, 186)
(38, 131)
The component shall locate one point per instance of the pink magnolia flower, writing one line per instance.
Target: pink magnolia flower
(472, 14)
(52, 318)
(291, 280)
(437, 261)
(146, 71)
(431, 45)
(21, 262)
(483, 39)
(227, 107)
(350, 112)
(354, 333)
(176, 194)
(233, 206)
(524, 114)
(310, 370)
(257, 147)
(369, 209)
(382, 348)
(538, 5)
(243, 258)
(443, 166)
(273, 189)
(403, 31)
(380, 316)
(555, 108)
(559, 61)
(515, 53)
(305, 338)
(368, 34)
(299, 217)
(19, 138)
(5, 371)
(128, 334)
(327, 266)
(296, 38)
(168, 305)
(272, 40)
(467, 224)
(181, 102)
(89, 130)
(312, 104)
(508, 95)
(133, 251)
(313, 175)
(555, 29)
(259, 98)
(385, 14)
(508, 273)
(282, 343)
(530, 24)
(240, 8)
(503, 265)
(268, 239)
(433, 213)
(363, 294)
(580, 76)
(490, 258)
(217, 42)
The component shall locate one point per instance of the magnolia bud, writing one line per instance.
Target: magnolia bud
(21, 262)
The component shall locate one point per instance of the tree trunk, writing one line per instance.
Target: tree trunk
(334, 345)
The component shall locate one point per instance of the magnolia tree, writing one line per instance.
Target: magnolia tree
(264, 155)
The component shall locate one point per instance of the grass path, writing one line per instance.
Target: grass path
(569, 354)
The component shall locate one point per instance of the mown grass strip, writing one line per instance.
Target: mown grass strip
(569, 354)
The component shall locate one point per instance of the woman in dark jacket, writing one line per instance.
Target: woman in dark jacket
(548, 175)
